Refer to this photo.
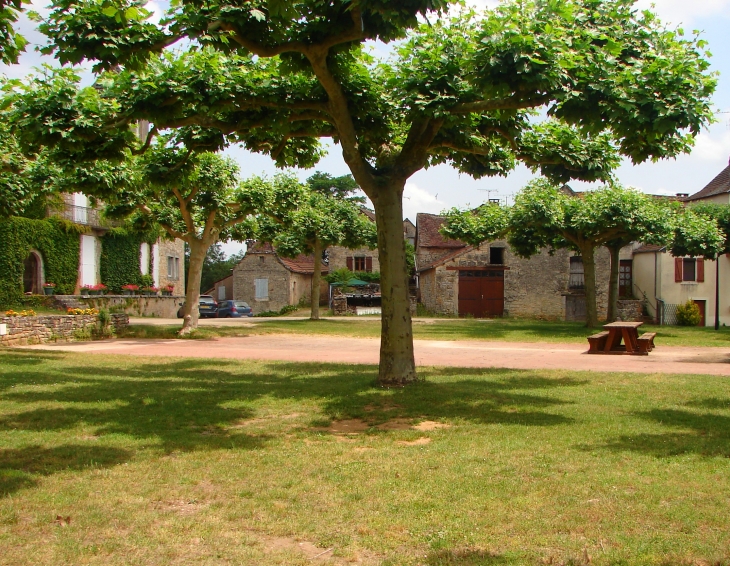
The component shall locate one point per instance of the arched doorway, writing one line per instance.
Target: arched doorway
(33, 273)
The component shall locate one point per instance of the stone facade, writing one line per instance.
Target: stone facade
(629, 311)
(170, 268)
(535, 287)
(338, 257)
(222, 290)
(23, 330)
(262, 266)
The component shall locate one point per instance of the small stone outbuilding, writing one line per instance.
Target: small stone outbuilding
(490, 281)
(268, 282)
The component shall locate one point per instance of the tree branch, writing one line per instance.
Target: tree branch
(150, 135)
(187, 217)
(513, 103)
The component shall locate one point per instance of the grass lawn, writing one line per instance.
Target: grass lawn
(508, 330)
(151, 461)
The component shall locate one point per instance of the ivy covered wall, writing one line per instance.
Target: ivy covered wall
(120, 258)
(58, 243)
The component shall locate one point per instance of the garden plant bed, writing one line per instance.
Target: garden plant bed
(229, 461)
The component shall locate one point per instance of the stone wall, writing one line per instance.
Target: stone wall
(137, 305)
(262, 266)
(629, 311)
(23, 330)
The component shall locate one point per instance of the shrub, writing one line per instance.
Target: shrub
(688, 314)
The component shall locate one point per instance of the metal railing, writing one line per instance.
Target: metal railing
(84, 215)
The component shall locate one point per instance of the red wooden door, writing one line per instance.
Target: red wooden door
(703, 307)
(470, 294)
(481, 293)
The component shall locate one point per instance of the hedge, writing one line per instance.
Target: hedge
(56, 240)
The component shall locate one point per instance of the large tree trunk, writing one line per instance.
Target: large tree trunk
(397, 362)
(589, 276)
(613, 283)
(192, 294)
(316, 278)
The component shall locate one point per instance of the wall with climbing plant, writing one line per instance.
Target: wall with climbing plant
(120, 258)
(58, 243)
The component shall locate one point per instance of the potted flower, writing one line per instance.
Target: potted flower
(150, 290)
(86, 290)
(49, 288)
(95, 289)
(168, 290)
(130, 289)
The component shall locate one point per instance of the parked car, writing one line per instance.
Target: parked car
(235, 309)
(207, 307)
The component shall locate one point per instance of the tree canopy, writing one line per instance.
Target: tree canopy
(564, 86)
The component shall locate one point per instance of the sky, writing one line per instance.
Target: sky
(442, 187)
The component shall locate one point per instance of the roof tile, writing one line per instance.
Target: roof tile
(428, 235)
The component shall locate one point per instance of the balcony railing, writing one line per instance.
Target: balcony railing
(84, 215)
(576, 281)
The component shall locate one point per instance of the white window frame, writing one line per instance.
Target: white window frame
(173, 268)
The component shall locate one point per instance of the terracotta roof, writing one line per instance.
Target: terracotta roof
(447, 257)
(303, 264)
(718, 186)
(649, 248)
(367, 212)
(255, 247)
(428, 235)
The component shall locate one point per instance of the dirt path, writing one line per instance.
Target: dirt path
(664, 359)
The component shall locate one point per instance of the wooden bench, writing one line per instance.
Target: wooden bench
(597, 342)
(646, 342)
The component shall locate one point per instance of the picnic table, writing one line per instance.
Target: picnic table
(609, 341)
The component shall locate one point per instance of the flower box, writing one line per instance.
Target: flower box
(49, 290)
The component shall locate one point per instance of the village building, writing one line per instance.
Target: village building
(268, 282)
(490, 281)
(666, 282)
(222, 290)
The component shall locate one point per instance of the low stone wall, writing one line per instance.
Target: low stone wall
(137, 305)
(629, 311)
(23, 330)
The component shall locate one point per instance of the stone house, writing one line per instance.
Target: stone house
(164, 260)
(268, 282)
(489, 280)
(667, 281)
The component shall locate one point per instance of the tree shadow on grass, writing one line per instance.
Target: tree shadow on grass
(20, 467)
(710, 435)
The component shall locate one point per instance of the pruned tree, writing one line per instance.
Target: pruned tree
(544, 216)
(196, 198)
(277, 76)
(324, 216)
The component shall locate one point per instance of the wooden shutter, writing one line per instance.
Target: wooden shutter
(349, 263)
(700, 270)
(678, 269)
(369, 264)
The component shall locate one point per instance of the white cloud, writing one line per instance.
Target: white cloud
(416, 199)
(712, 147)
(683, 11)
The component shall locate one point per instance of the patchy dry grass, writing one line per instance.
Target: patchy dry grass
(124, 460)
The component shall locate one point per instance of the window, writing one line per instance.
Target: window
(689, 270)
(496, 256)
(576, 280)
(144, 258)
(624, 278)
(262, 259)
(173, 268)
(359, 264)
(262, 289)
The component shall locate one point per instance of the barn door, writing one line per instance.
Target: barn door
(481, 293)
(470, 294)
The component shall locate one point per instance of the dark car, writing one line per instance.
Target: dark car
(235, 309)
(207, 307)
